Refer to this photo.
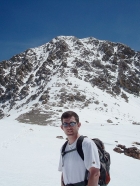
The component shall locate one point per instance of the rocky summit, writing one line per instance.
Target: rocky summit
(68, 73)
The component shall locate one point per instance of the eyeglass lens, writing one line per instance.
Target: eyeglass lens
(71, 124)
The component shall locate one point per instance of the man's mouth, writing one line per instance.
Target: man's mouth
(69, 130)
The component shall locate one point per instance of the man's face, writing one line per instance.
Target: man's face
(70, 130)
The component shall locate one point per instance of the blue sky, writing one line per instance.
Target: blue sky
(30, 23)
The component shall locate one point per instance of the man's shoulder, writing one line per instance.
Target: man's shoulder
(87, 141)
(88, 144)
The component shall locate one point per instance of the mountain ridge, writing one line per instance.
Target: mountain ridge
(43, 77)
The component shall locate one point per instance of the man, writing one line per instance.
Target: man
(72, 166)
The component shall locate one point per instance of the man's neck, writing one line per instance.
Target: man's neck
(73, 138)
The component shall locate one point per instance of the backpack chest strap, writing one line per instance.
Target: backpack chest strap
(65, 152)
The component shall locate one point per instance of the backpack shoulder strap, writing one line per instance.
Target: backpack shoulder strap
(63, 152)
(79, 147)
(63, 148)
(81, 153)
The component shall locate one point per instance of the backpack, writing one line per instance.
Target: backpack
(104, 156)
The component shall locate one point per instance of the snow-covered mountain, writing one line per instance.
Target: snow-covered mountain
(68, 73)
(99, 80)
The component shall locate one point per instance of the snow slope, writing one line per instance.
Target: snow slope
(30, 153)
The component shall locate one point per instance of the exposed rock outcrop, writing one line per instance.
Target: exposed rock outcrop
(131, 151)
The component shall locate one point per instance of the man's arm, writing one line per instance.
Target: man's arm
(62, 180)
(93, 176)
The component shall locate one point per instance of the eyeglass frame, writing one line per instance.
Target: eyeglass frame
(71, 124)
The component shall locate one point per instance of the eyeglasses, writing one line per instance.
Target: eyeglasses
(72, 124)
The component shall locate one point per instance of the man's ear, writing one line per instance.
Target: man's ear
(79, 124)
(61, 127)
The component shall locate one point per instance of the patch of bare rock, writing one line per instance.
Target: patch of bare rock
(131, 151)
(37, 116)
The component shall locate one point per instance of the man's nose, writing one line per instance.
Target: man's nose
(69, 126)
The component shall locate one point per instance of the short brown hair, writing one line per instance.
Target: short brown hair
(69, 114)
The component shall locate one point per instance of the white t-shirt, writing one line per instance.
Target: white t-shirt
(73, 167)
